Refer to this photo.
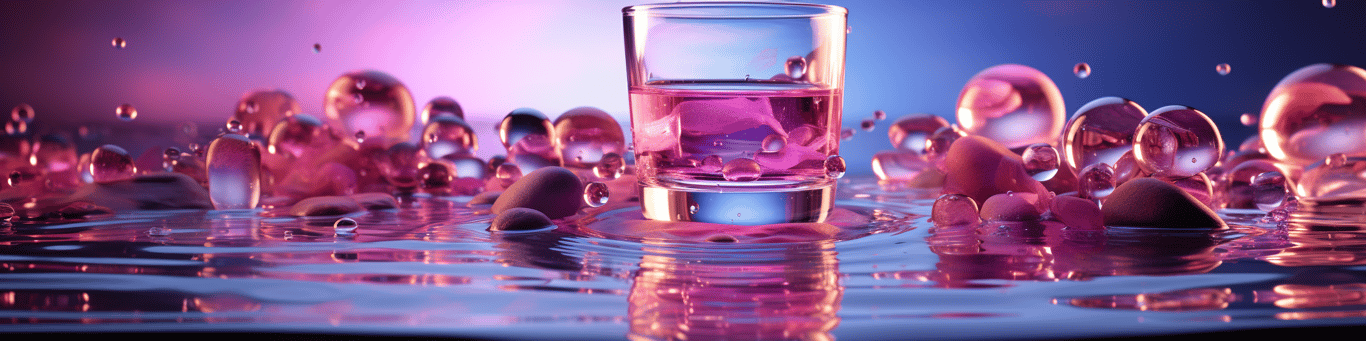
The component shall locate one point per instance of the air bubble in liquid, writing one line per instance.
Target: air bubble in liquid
(1176, 142)
(741, 169)
(595, 194)
(448, 135)
(442, 106)
(910, 132)
(584, 135)
(1096, 181)
(953, 210)
(1040, 161)
(1314, 112)
(773, 143)
(1082, 70)
(1101, 131)
(1223, 69)
(111, 163)
(385, 110)
(1015, 105)
(22, 112)
(834, 167)
(234, 172)
(126, 112)
(795, 67)
(611, 167)
(345, 226)
(261, 110)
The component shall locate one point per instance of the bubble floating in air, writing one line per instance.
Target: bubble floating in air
(595, 194)
(126, 112)
(879, 115)
(1223, 69)
(1015, 105)
(22, 112)
(1176, 142)
(234, 173)
(1082, 70)
(847, 134)
(111, 163)
(1329, 3)
(1101, 131)
(373, 102)
(259, 111)
(867, 125)
(1315, 112)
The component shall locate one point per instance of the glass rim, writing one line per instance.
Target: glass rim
(734, 10)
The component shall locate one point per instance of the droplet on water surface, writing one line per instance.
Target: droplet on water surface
(1269, 190)
(234, 172)
(595, 194)
(345, 226)
(436, 176)
(1015, 105)
(1082, 70)
(22, 112)
(1177, 142)
(741, 169)
(126, 112)
(1223, 69)
(111, 163)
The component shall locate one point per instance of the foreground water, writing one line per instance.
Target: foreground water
(430, 268)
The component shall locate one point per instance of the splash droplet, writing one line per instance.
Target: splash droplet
(796, 67)
(234, 172)
(1040, 161)
(1223, 69)
(126, 112)
(345, 226)
(868, 125)
(834, 167)
(1082, 70)
(119, 43)
(385, 110)
(111, 163)
(611, 167)
(741, 169)
(1169, 136)
(953, 210)
(595, 194)
(1015, 105)
(22, 112)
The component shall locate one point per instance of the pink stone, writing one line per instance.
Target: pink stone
(1011, 207)
(980, 168)
(1077, 213)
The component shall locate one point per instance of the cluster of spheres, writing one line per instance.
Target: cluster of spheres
(1311, 146)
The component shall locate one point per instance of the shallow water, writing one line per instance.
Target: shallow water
(430, 268)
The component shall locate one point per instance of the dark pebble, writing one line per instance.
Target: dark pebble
(520, 219)
(1149, 202)
(555, 191)
(324, 206)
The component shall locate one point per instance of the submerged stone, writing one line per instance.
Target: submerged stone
(555, 191)
(324, 206)
(146, 192)
(485, 198)
(375, 201)
(520, 219)
(1149, 202)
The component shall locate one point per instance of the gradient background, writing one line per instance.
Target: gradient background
(192, 60)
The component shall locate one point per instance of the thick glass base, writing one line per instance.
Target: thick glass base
(738, 207)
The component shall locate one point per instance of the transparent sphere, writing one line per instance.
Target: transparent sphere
(372, 102)
(400, 166)
(910, 132)
(1223, 69)
(299, 134)
(834, 167)
(1040, 161)
(111, 163)
(442, 106)
(522, 122)
(126, 112)
(1269, 189)
(595, 194)
(508, 173)
(1101, 131)
(1096, 181)
(1015, 105)
(896, 165)
(584, 135)
(795, 67)
(54, 154)
(448, 135)
(233, 126)
(939, 142)
(345, 226)
(1237, 187)
(1334, 179)
(234, 172)
(436, 176)
(868, 124)
(259, 111)
(1082, 70)
(1314, 112)
(847, 134)
(611, 167)
(954, 209)
(1177, 142)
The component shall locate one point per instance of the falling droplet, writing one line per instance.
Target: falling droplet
(847, 134)
(22, 112)
(879, 115)
(1329, 3)
(1248, 119)
(345, 226)
(126, 112)
(1082, 70)
(1041, 161)
(796, 67)
(317, 48)
(834, 167)
(111, 163)
(595, 194)
(773, 143)
(1223, 69)
(611, 167)
(159, 231)
(16, 127)
(119, 43)
(868, 125)
(234, 126)
(741, 169)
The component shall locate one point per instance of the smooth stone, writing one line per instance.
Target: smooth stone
(158, 191)
(81, 209)
(555, 191)
(324, 206)
(1011, 207)
(520, 219)
(1077, 213)
(375, 201)
(485, 198)
(1149, 202)
(978, 167)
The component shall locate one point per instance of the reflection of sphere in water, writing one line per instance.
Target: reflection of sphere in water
(1176, 142)
(260, 110)
(584, 135)
(1015, 105)
(1314, 112)
(1101, 131)
(371, 102)
(448, 135)
(910, 132)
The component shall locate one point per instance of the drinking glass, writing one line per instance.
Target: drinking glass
(735, 109)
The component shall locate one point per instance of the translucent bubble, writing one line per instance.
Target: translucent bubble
(1176, 142)
(1248, 119)
(795, 67)
(119, 43)
(1334, 179)
(847, 134)
(611, 167)
(584, 135)
(259, 111)
(111, 163)
(345, 226)
(879, 115)
(595, 194)
(22, 112)
(385, 109)
(522, 122)
(1096, 181)
(442, 106)
(741, 169)
(1223, 69)
(1314, 112)
(1270, 190)
(1040, 161)
(1015, 105)
(868, 124)
(448, 135)
(1101, 131)
(1126, 168)
(298, 135)
(436, 176)
(711, 164)
(234, 172)
(954, 209)
(508, 173)
(834, 167)
(233, 127)
(910, 132)
(1329, 3)
(1082, 70)
(126, 112)
(317, 48)
(16, 127)
(939, 142)
(400, 166)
